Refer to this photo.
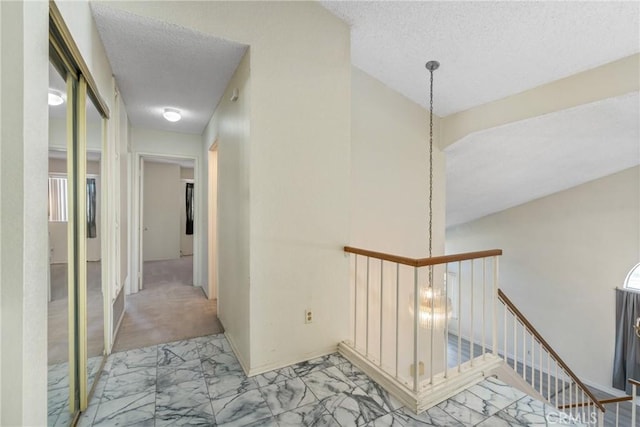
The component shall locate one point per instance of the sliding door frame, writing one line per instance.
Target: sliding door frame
(66, 56)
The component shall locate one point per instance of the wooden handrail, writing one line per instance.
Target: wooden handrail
(546, 345)
(423, 262)
(602, 402)
(616, 400)
(635, 382)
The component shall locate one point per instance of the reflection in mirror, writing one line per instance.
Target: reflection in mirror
(59, 410)
(94, 194)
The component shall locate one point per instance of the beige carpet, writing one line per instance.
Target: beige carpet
(169, 308)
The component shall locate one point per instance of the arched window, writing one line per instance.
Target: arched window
(633, 279)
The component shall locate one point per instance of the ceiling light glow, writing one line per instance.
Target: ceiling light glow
(55, 98)
(171, 114)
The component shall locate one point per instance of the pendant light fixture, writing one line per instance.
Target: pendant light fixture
(434, 308)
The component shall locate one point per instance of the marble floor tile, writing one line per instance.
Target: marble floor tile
(380, 395)
(328, 382)
(221, 364)
(170, 375)
(313, 365)
(186, 403)
(465, 415)
(131, 360)
(201, 382)
(176, 353)
(353, 408)
(138, 381)
(213, 347)
(58, 376)
(501, 419)
(433, 417)
(472, 401)
(500, 401)
(265, 422)
(57, 400)
(353, 373)
(530, 411)
(274, 377)
(64, 419)
(311, 415)
(136, 409)
(336, 359)
(501, 388)
(241, 409)
(229, 384)
(86, 418)
(287, 395)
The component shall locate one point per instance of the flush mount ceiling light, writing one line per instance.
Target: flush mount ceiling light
(171, 114)
(55, 97)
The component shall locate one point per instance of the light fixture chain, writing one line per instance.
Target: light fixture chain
(431, 164)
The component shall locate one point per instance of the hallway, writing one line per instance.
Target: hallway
(169, 308)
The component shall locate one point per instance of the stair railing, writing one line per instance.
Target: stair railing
(529, 354)
(422, 326)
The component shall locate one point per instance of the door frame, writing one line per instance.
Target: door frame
(137, 212)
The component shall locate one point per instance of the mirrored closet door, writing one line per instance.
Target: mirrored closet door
(93, 166)
(61, 395)
(77, 123)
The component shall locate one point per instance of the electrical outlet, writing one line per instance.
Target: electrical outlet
(308, 316)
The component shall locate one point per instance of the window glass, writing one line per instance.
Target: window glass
(633, 278)
(58, 199)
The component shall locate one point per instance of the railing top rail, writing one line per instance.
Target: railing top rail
(546, 345)
(634, 382)
(602, 402)
(423, 262)
(616, 400)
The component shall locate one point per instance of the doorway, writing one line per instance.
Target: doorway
(169, 303)
(167, 222)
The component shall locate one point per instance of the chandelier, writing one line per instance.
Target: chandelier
(434, 308)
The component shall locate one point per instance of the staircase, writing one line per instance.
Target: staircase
(426, 329)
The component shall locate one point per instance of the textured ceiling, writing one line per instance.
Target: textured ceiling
(506, 166)
(487, 50)
(159, 65)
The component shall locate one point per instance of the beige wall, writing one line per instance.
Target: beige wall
(298, 173)
(389, 172)
(563, 256)
(124, 159)
(230, 127)
(161, 224)
(23, 213)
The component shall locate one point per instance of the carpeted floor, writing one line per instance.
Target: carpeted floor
(169, 308)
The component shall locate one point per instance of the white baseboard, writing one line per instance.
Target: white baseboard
(429, 395)
(282, 364)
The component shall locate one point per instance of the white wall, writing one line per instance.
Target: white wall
(23, 212)
(563, 256)
(124, 159)
(161, 225)
(298, 175)
(389, 172)
(149, 143)
(230, 127)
